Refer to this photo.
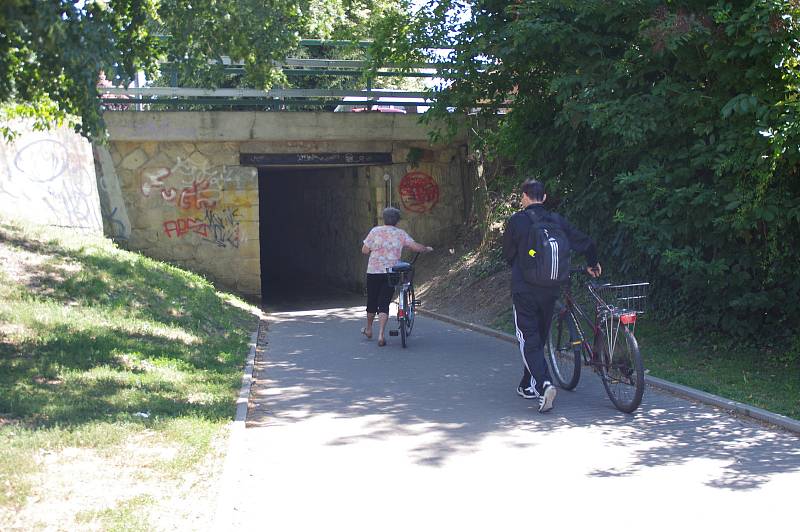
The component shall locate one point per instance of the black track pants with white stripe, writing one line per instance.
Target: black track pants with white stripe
(532, 316)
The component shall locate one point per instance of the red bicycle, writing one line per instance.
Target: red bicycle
(613, 352)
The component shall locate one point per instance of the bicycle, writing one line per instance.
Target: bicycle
(615, 359)
(402, 275)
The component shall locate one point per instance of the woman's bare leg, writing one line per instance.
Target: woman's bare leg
(383, 318)
(368, 328)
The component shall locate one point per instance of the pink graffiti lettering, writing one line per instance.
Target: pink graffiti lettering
(169, 194)
(183, 226)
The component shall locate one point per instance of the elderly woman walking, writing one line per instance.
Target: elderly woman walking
(384, 245)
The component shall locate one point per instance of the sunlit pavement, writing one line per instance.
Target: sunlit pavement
(344, 435)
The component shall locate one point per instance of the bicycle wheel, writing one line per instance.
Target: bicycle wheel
(403, 324)
(564, 350)
(621, 369)
(403, 332)
(410, 310)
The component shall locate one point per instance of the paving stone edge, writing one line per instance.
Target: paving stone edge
(676, 389)
(227, 494)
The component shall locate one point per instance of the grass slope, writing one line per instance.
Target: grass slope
(108, 351)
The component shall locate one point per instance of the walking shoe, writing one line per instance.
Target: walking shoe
(547, 397)
(527, 393)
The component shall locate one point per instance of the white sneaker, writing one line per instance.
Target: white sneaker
(547, 397)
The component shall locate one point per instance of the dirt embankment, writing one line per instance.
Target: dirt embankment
(466, 282)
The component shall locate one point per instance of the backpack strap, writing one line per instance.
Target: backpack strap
(533, 217)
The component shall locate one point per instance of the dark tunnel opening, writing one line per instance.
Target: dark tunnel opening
(312, 223)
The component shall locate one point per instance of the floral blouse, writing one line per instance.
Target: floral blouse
(385, 243)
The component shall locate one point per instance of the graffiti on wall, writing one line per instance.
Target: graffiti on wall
(50, 178)
(419, 192)
(112, 205)
(195, 194)
(220, 227)
(181, 227)
(44, 160)
(208, 179)
(205, 210)
(224, 227)
(118, 228)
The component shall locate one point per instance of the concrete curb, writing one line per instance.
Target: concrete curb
(223, 517)
(726, 404)
(676, 389)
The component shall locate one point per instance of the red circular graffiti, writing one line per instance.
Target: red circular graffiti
(418, 192)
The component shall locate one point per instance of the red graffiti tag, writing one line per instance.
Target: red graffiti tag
(183, 226)
(196, 196)
(418, 192)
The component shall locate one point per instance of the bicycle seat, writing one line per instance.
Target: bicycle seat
(401, 267)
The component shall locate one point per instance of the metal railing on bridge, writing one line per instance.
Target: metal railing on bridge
(281, 98)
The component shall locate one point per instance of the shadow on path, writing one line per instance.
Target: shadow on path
(453, 389)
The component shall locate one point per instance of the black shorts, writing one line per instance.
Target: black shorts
(379, 293)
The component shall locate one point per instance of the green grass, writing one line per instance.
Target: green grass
(756, 376)
(765, 378)
(98, 345)
(126, 516)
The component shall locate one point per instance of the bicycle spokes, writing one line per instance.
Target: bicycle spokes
(621, 368)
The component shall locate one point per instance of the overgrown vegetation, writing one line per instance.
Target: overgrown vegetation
(100, 347)
(669, 129)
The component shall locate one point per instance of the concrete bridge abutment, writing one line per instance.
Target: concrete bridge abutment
(250, 199)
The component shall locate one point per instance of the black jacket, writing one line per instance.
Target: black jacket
(517, 230)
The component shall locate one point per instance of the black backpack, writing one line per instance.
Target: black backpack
(544, 253)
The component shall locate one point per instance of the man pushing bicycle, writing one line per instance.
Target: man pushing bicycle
(537, 244)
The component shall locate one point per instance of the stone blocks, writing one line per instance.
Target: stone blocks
(191, 202)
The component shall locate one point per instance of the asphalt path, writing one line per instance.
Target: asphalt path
(342, 434)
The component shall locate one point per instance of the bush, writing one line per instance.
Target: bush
(669, 131)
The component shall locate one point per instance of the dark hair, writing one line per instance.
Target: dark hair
(533, 188)
(391, 215)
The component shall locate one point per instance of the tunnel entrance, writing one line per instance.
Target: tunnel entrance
(312, 223)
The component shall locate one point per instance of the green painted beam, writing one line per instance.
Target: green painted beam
(339, 43)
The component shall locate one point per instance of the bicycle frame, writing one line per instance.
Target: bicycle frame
(405, 302)
(612, 352)
(588, 352)
(404, 286)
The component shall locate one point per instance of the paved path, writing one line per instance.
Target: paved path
(343, 435)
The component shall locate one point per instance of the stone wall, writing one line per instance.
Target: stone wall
(189, 201)
(430, 196)
(193, 205)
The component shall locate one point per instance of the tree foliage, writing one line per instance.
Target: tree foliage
(51, 52)
(670, 128)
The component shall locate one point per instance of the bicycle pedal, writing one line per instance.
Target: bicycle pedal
(393, 333)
